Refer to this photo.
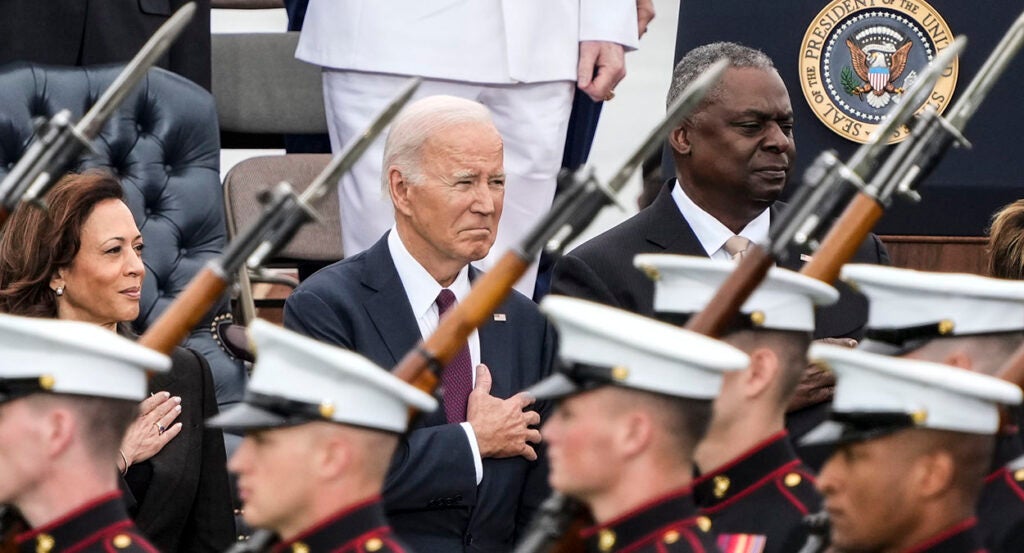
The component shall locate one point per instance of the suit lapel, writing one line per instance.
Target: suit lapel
(387, 304)
(668, 229)
(495, 336)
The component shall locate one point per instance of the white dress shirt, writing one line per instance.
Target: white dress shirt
(422, 291)
(711, 233)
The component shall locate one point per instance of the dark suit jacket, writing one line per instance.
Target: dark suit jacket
(602, 269)
(184, 503)
(431, 494)
(91, 32)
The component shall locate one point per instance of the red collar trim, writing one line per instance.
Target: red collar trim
(783, 434)
(944, 535)
(330, 519)
(681, 492)
(68, 516)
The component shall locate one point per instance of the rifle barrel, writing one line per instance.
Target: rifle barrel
(182, 315)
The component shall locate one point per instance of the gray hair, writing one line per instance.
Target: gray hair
(417, 123)
(698, 60)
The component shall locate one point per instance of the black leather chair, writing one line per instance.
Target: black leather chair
(163, 145)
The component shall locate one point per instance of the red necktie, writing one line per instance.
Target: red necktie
(457, 376)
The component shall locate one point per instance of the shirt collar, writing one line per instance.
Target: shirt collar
(711, 233)
(420, 286)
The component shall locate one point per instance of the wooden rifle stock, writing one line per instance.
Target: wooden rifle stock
(185, 312)
(419, 367)
(734, 291)
(843, 239)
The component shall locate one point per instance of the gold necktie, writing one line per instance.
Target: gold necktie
(736, 246)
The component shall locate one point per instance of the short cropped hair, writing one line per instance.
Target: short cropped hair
(1006, 242)
(790, 347)
(684, 420)
(417, 123)
(103, 421)
(698, 60)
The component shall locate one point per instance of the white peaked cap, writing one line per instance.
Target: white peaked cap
(877, 394)
(69, 357)
(906, 305)
(297, 379)
(685, 284)
(603, 345)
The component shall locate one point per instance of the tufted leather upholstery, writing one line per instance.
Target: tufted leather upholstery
(163, 145)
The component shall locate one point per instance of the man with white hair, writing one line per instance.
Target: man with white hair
(467, 478)
(523, 60)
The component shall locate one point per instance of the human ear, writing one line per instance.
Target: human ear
(398, 188)
(934, 473)
(762, 372)
(679, 140)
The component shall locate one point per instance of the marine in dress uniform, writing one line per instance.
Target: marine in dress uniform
(968, 321)
(321, 424)
(635, 399)
(68, 391)
(915, 441)
(748, 464)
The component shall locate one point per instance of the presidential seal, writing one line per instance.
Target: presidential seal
(859, 57)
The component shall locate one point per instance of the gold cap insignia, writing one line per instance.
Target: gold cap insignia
(605, 540)
(44, 543)
(722, 484)
(299, 547)
(122, 541)
(1018, 475)
(792, 480)
(373, 544)
(47, 381)
(326, 409)
(757, 318)
(704, 523)
(620, 373)
(945, 326)
(919, 417)
(670, 537)
(651, 272)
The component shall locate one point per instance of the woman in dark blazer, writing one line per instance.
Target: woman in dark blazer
(82, 260)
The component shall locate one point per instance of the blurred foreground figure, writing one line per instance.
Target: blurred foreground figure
(321, 425)
(68, 391)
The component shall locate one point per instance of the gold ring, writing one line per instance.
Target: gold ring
(610, 96)
(160, 429)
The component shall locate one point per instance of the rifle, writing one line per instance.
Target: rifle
(283, 213)
(913, 160)
(58, 143)
(1013, 368)
(570, 215)
(824, 191)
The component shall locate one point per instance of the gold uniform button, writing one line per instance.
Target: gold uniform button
(605, 540)
(704, 523)
(44, 543)
(1018, 475)
(299, 547)
(373, 544)
(122, 541)
(792, 480)
(670, 537)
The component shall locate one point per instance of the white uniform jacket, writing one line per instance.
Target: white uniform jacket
(480, 41)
